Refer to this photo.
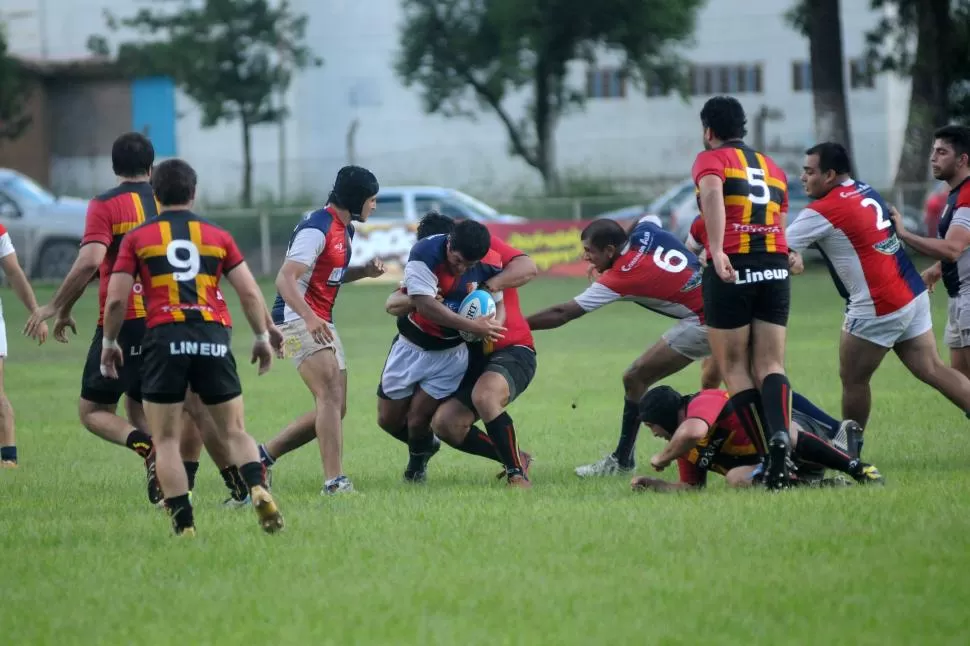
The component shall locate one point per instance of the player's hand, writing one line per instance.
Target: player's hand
(374, 268)
(276, 340)
(931, 276)
(702, 257)
(263, 354)
(643, 483)
(722, 265)
(318, 330)
(61, 325)
(112, 358)
(796, 264)
(37, 319)
(897, 219)
(487, 328)
(592, 273)
(659, 463)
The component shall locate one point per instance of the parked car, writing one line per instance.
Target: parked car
(45, 229)
(407, 204)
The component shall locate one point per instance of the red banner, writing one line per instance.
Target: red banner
(554, 245)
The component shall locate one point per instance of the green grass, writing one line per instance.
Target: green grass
(462, 561)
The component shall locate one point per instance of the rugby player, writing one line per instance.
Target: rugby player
(888, 305)
(21, 287)
(705, 433)
(110, 216)
(653, 269)
(181, 259)
(743, 197)
(696, 241)
(428, 357)
(316, 265)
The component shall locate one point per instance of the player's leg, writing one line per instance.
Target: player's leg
(165, 419)
(922, 358)
(438, 375)
(453, 423)
(190, 447)
(294, 435)
(744, 476)
(710, 374)
(322, 375)
(8, 441)
(396, 388)
(956, 335)
(808, 447)
(215, 446)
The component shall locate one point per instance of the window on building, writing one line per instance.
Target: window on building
(801, 76)
(605, 83)
(861, 74)
(725, 79)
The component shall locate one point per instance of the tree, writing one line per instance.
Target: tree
(459, 51)
(235, 58)
(820, 21)
(14, 92)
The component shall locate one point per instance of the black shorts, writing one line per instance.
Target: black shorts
(517, 364)
(101, 390)
(193, 355)
(762, 291)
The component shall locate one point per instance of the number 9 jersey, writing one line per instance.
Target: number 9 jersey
(180, 260)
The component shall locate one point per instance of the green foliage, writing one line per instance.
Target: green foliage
(14, 92)
(797, 16)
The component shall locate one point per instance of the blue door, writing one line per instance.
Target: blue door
(153, 112)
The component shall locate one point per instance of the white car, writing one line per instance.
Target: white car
(407, 204)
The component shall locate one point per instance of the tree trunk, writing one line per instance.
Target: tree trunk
(828, 73)
(247, 185)
(545, 117)
(928, 107)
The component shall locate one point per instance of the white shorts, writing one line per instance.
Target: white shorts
(904, 324)
(437, 372)
(957, 332)
(689, 338)
(299, 345)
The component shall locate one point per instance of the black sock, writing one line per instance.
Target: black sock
(747, 408)
(421, 442)
(629, 428)
(139, 442)
(264, 457)
(401, 434)
(501, 431)
(812, 448)
(253, 474)
(234, 483)
(191, 468)
(181, 511)
(776, 403)
(8, 454)
(477, 443)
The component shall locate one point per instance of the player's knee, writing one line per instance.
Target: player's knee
(489, 400)
(448, 430)
(635, 383)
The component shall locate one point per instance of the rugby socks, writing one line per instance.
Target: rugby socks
(776, 399)
(802, 405)
(401, 435)
(191, 468)
(264, 457)
(253, 474)
(181, 511)
(234, 483)
(8, 454)
(421, 444)
(629, 429)
(139, 442)
(478, 443)
(747, 408)
(812, 448)
(502, 432)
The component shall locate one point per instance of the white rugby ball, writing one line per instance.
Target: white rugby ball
(476, 305)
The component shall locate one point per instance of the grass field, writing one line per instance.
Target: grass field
(461, 561)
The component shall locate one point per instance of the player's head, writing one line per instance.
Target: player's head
(603, 242)
(662, 409)
(355, 191)
(467, 244)
(826, 165)
(174, 183)
(132, 155)
(723, 120)
(951, 152)
(434, 223)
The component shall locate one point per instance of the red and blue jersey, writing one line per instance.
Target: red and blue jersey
(427, 273)
(322, 242)
(852, 228)
(654, 270)
(697, 236)
(956, 212)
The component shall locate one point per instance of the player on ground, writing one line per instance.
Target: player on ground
(951, 163)
(110, 216)
(704, 433)
(656, 271)
(181, 259)
(888, 306)
(21, 287)
(316, 265)
(743, 198)
(428, 357)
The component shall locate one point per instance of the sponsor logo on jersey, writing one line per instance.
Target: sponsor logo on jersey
(889, 246)
(760, 276)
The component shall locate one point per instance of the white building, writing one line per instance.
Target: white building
(740, 48)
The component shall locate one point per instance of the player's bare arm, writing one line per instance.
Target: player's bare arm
(116, 301)
(373, 269)
(286, 284)
(711, 189)
(21, 287)
(254, 308)
(438, 313)
(685, 438)
(85, 266)
(555, 316)
(398, 304)
(518, 272)
(643, 483)
(950, 248)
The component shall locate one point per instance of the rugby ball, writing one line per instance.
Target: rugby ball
(476, 305)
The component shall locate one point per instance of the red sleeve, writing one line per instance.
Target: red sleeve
(697, 230)
(963, 197)
(707, 163)
(707, 406)
(506, 252)
(97, 224)
(3, 229)
(690, 474)
(127, 261)
(234, 257)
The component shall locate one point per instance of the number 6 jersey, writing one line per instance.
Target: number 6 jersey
(654, 270)
(180, 260)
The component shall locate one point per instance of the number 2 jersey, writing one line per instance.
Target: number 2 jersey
(755, 197)
(654, 270)
(180, 260)
(852, 228)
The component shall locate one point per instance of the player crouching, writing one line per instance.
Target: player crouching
(180, 259)
(705, 432)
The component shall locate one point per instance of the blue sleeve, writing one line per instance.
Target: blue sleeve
(430, 251)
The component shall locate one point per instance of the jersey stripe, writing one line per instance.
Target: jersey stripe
(202, 281)
(771, 208)
(167, 280)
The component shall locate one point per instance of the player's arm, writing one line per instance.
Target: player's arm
(596, 296)
(250, 298)
(303, 252)
(398, 304)
(85, 266)
(712, 209)
(950, 248)
(422, 287)
(373, 269)
(18, 281)
(808, 228)
(685, 438)
(518, 268)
